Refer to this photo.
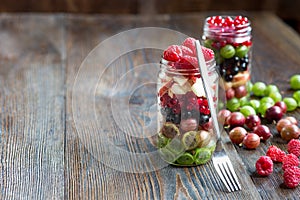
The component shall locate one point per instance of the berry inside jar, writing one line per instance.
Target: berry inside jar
(230, 39)
(185, 135)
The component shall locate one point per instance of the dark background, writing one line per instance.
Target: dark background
(288, 10)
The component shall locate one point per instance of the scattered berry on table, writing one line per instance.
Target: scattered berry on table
(252, 121)
(223, 115)
(258, 89)
(271, 89)
(237, 135)
(293, 120)
(275, 153)
(233, 104)
(236, 119)
(291, 177)
(262, 131)
(282, 123)
(291, 103)
(289, 132)
(264, 166)
(240, 91)
(274, 113)
(282, 105)
(296, 96)
(295, 82)
(251, 141)
(247, 110)
(290, 160)
(294, 147)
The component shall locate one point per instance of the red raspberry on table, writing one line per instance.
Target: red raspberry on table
(173, 53)
(264, 166)
(294, 147)
(290, 160)
(275, 153)
(291, 177)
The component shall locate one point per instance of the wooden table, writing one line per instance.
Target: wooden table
(43, 152)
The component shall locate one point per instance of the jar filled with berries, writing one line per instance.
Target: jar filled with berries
(185, 133)
(230, 38)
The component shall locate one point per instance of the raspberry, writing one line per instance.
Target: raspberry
(290, 160)
(188, 62)
(173, 53)
(208, 53)
(264, 166)
(187, 51)
(294, 147)
(190, 43)
(275, 153)
(291, 177)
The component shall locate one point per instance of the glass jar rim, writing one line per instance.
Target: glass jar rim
(211, 66)
(232, 16)
(242, 30)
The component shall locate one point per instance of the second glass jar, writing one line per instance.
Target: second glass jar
(231, 40)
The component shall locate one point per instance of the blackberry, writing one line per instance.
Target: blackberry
(174, 118)
(243, 67)
(228, 77)
(223, 72)
(165, 111)
(169, 118)
(190, 114)
(230, 62)
(177, 119)
(236, 59)
(245, 59)
(203, 119)
(234, 70)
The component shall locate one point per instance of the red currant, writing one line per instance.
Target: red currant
(218, 19)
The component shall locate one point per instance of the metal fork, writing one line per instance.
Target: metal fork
(220, 159)
(224, 168)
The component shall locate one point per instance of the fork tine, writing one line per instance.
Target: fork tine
(230, 177)
(234, 176)
(220, 173)
(224, 168)
(226, 175)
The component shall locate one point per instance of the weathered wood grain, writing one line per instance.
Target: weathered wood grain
(32, 107)
(168, 183)
(46, 155)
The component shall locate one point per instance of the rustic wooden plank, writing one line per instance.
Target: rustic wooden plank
(32, 107)
(32, 116)
(87, 177)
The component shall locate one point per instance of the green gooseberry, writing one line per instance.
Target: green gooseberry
(228, 51)
(291, 103)
(241, 51)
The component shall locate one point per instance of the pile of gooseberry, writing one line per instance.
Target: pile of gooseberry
(246, 118)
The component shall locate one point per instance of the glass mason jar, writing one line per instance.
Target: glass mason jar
(185, 133)
(231, 40)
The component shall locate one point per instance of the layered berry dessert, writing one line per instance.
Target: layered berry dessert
(185, 135)
(230, 39)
